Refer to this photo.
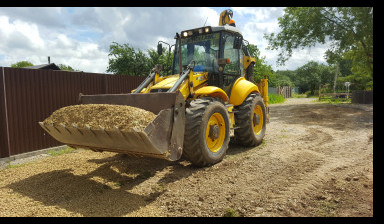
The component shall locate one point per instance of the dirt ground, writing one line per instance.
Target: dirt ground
(316, 160)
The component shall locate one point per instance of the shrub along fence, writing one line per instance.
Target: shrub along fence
(28, 96)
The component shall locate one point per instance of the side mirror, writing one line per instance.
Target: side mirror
(159, 49)
(237, 42)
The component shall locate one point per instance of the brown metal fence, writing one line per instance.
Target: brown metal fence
(286, 91)
(362, 97)
(28, 96)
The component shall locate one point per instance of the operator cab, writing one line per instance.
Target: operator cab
(206, 45)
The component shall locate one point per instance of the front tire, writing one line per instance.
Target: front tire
(206, 131)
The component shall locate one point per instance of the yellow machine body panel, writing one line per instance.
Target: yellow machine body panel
(240, 90)
(247, 60)
(212, 91)
(263, 87)
(199, 78)
(166, 83)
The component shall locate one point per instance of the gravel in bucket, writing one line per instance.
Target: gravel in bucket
(106, 115)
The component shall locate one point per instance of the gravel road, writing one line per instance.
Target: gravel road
(316, 160)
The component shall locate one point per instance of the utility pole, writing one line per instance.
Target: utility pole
(336, 74)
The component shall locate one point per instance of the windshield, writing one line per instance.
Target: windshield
(203, 49)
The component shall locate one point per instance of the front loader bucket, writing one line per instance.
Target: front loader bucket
(162, 138)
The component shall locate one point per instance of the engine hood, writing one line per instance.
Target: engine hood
(167, 83)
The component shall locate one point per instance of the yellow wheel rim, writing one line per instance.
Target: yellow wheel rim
(257, 120)
(215, 132)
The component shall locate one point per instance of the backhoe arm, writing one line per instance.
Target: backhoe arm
(225, 17)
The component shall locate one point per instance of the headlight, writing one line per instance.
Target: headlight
(185, 34)
(206, 29)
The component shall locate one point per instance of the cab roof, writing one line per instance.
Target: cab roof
(226, 28)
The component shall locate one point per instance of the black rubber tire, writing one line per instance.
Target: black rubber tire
(244, 133)
(197, 115)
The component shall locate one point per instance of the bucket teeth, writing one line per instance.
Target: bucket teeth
(75, 127)
(104, 131)
(90, 130)
(53, 126)
(44, 127)
(65, 127)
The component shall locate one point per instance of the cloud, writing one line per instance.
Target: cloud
(256, 22)
(142, 27)
(51, 17)
(24, 41)
(299, 57)
(19, 34)
(80, 37)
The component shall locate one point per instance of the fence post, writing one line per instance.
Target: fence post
(5, 127)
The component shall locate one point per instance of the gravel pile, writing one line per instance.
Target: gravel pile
(106, 115)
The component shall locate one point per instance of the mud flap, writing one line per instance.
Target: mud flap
(162, 138)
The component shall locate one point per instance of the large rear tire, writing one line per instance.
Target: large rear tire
(250, 120)
(206, 131)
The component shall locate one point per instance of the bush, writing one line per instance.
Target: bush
(275, 98)
(311, 94)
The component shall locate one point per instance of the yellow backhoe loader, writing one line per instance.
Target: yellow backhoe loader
(209, 98)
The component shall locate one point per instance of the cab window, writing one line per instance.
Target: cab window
(232, 54)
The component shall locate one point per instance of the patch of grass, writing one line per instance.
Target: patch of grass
(332, 100)
(296, 95)
(61, 152)
(229, 212)
(326, 209)
(275, 98)
(10, 166)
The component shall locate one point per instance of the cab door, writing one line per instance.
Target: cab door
(234, 69)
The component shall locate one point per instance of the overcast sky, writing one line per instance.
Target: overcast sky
(80, 37)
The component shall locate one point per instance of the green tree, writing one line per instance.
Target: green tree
(346, 28)
(360, 75)
(155, 58)
(66, 68)
(311, 75)
(124, 60)
(283, 79)
(21, 64)
(261, 68)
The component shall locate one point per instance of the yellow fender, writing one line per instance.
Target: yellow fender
(211, 91)
(240, 90)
